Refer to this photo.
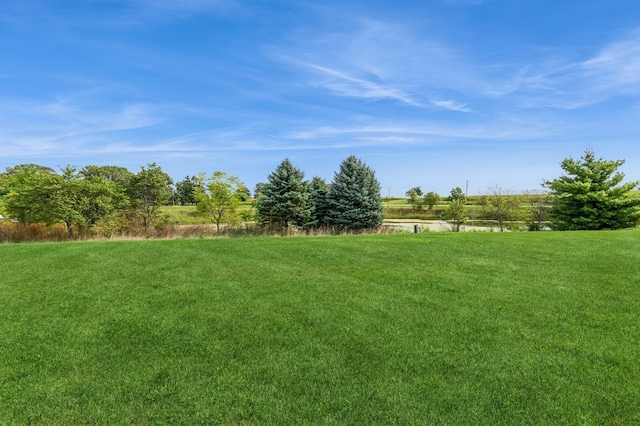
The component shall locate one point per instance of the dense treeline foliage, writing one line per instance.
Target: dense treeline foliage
(108, 200)
(111, 200)
(351, 202)
(96, 199)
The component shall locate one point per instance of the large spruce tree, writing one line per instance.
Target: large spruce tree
(354, 200)
(592, 195)
(318, 191)
(284, 200)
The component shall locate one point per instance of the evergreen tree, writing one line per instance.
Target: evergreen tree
(318, 191)
(186, 190)
(592, 196)
(284, 200)
(354, 200)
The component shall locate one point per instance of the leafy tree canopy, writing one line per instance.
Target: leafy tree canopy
(150, 189)
(455, 210)
(219, 197)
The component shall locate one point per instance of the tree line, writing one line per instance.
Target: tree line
(590, 196)
(110, 199)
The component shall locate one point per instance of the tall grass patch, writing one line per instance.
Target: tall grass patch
(435, 328)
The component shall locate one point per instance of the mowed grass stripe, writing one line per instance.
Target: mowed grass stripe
(473, 328)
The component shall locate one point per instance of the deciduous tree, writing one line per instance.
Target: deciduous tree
(150, 189)
(500, 205)
(49, 198)
(431, 199)
(219, 197)
(537, 209)
(31, 196)
(415, 197)
(456, 211)
(117, 174)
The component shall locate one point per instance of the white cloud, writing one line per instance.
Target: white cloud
(617, 65)
(347, 85)
(69, 123)
(452, 105)
(421, 132)
(380, 60)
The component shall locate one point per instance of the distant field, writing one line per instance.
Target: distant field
(434, 328)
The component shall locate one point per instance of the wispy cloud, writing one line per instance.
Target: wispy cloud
(452, 106)
(421, 132)
(558, 82)
(377, 60)
(347, 85)
(617, 65)
(68, 123)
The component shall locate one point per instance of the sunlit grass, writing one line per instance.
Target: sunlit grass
(436, 328)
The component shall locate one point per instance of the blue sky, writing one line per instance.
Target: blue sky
(432, 93)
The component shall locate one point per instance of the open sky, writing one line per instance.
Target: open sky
(432, 93)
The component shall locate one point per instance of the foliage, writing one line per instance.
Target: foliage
(150, 189)
(437, 328)
(455, 210)
(415, 197)
(220, 198)
(119, 175)
(592, 196)
(354, 200)
(186, 189)
(39, 196)
(284, 200)
(10, 172)
(431, 199)
(415, 190)
(318, 192)
(29, 190)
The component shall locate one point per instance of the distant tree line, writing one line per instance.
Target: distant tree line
(95, 198)
(591, 196)
(110, 199)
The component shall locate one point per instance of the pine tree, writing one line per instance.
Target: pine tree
(354, 200)
(318, 191)
(592, 196)
(284, 200)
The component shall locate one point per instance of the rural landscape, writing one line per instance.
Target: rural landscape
(272, 313)
(320, 212)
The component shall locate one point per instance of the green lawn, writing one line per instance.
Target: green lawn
(433, 328)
